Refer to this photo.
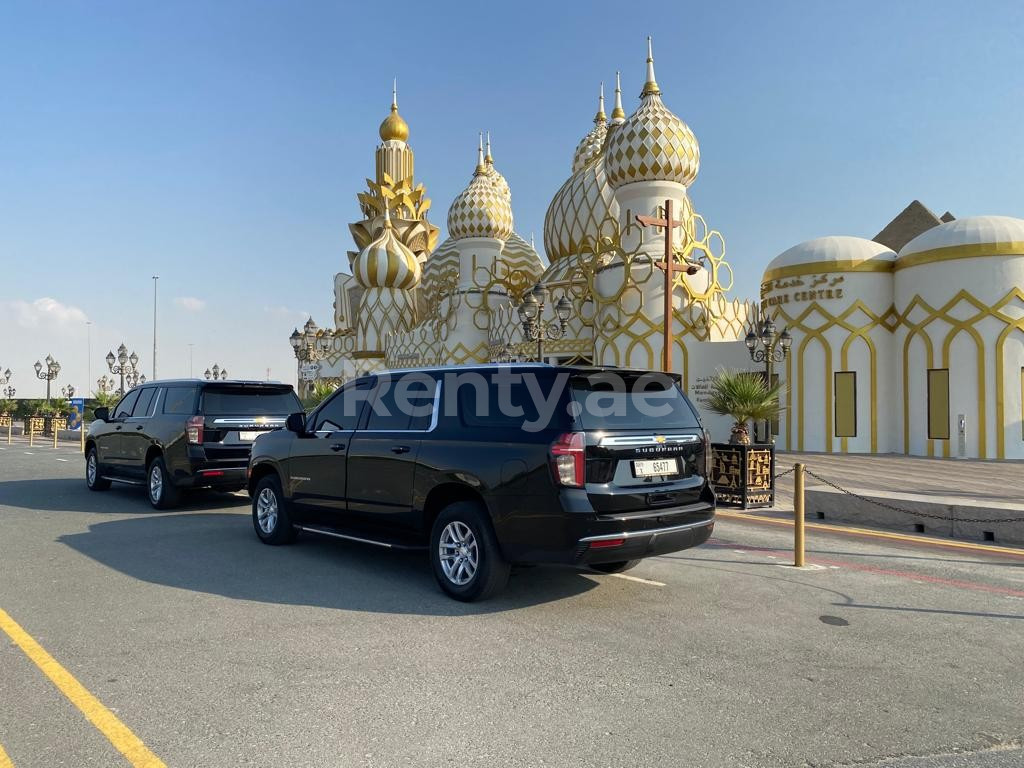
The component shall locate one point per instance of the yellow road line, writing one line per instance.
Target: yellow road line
(891, 535)
(106, 722)
(5, 761)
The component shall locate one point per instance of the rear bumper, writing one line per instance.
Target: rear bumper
(631, 545)
(211, 475)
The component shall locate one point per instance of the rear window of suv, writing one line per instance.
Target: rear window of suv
(611, 400)
(246, 401)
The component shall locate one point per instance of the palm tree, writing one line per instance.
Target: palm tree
(744, 397)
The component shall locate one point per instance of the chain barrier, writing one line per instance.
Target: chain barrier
(903, 510)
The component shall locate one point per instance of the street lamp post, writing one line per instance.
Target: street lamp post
(48, 373)
(768, 346)
(104, 385)
(5, 379)
(126, 366)
(535, 327)
(311, 344)
(216, 373)
(67, 392)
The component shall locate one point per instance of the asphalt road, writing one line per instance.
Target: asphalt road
(216, 650)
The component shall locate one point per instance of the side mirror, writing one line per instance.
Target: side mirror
(102, 414)
(296, 422)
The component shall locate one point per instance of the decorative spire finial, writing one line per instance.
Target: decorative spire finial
(487, 158)
(394, 95)
(480, 167)
(600, 116)
(651, 86)
(394, 128)
(618, 114)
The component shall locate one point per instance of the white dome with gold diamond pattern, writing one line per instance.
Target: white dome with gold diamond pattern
(482, 209)
(578, 210)
(386, 262)
(653, 144)
(591, 144)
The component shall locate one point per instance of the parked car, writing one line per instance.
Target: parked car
(494, 465)
(178, 434)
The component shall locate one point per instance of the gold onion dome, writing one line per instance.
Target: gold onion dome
(386, 262)
(591, 144)
(582, 206)
(652, 144)
(481, 209)
(394, 128)
(495, 175)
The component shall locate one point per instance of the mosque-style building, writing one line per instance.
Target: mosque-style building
(912, 342)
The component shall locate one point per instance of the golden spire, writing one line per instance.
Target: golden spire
(487, 157)
(394, 128)
(480, 166)
(600, 116)
(651, 86)
(618, 114)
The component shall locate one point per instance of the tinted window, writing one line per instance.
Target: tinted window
(249, 401)
(502, 405)
(614, 401)
(342, 411)
(144, 402)
(403, 402)
(180, 400)
(124, 408)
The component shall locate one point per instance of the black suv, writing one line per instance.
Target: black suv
(175, 434)
(486, 466)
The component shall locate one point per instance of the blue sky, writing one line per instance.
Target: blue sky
(221, 145)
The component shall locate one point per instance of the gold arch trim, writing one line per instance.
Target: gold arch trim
(951, 252)
(818, 267)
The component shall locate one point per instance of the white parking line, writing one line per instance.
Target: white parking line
(637, 579)
(63, 459)
(29, 453)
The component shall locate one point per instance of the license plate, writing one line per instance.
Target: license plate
(655, 467)
(248, 437)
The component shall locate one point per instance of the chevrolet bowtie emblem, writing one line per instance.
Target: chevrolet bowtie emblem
(659, 438)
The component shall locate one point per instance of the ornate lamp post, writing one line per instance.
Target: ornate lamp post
(535, 327)
(47, 373)
(67, 392)
(768, 346)
(104, 385)
(126, 366)
(310, 345)
(216, 373)
(5, 378)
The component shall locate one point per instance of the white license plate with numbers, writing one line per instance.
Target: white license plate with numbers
(248, 437)
(655, 467)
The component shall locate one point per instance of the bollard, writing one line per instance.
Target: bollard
(82, 435)
(10, 427)
(54, 434)
(31, 432)
(798, 515)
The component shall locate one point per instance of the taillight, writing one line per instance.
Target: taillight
(194, 430)
(707, 454)
(567, 460)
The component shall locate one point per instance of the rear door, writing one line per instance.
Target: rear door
(383, 453)
(317, 474)
(644, 445)
(235, 414)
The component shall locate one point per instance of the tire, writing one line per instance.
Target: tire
(159, 490)
(458, 574)
(270, 515)
(93, 481)
(619, 567)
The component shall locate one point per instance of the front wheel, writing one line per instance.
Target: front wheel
(162, 495)
(270, 513)
(93, 480)
(465, 555)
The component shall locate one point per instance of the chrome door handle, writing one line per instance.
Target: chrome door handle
(338, 447)
(400, 449)
(117, 428)
(139, 427)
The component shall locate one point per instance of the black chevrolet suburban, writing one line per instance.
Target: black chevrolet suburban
(177, 434)
(492, 465)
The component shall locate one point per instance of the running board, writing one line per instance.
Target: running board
(360, 539)
(122, 480)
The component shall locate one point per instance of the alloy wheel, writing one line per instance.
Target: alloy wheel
(266, 510)
(459, 553)
(156, 483)
(90, 468)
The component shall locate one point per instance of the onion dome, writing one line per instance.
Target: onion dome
(386, 262)
(652, 144)
(830, 254)
(591, 144)
(496, 177)
(578, 210)
(517, 254)
(481, 209)
(394, 128)
(974, 236)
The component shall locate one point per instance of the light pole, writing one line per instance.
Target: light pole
(155, 278)
(311, 345)
(67, 392)
(535, 327)
(216, 373)
(769, 347)
(5, 378)
(126, 366)
(51, 371)
(104, 385)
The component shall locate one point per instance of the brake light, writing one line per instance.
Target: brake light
(194, 430)
(567, 460)
(607, 543)
(707, 454)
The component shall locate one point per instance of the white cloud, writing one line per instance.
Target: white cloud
(286, 313)
(190, 303)
(45, 313)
